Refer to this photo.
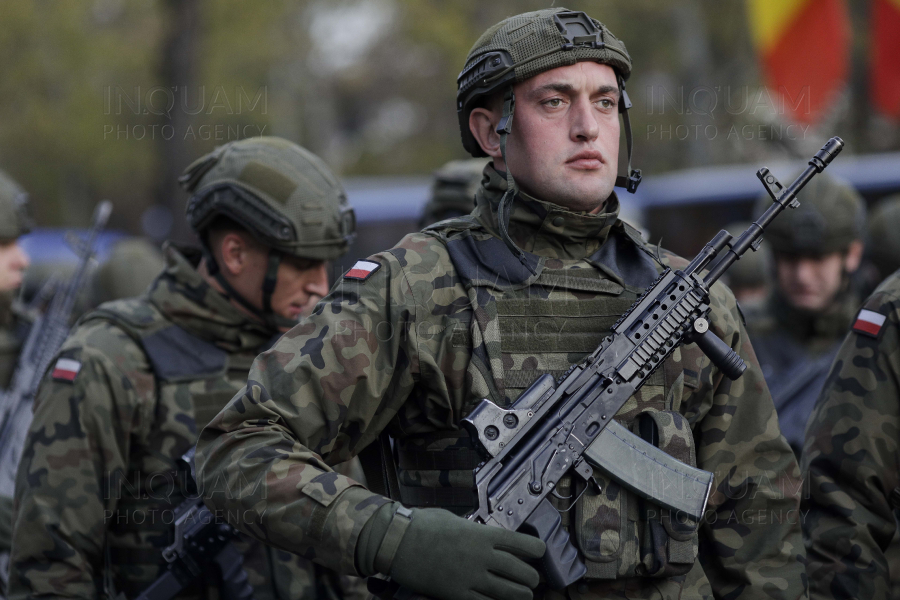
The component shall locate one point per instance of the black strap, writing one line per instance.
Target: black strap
(443, 497)
(632, 180)
(459, 459)
(379, 468)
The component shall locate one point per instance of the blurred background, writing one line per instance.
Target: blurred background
(113, 98)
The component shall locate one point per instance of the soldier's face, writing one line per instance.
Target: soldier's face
(812, 282)
(300, 286)
(564, 145)
(13, 262)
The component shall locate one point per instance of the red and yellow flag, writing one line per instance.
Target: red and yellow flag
(884, 84)
(804, 49)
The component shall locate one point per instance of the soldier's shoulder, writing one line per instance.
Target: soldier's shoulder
(111, 331)
(886, 297)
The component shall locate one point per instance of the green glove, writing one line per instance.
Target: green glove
(431, 551)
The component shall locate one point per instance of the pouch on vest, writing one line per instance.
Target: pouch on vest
(622, 535)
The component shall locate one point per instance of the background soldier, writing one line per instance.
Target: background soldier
(816, 248)
(412, 338)
(14, 222)
(138, 378)
(851, 458)
(453, 190)
(883, 250)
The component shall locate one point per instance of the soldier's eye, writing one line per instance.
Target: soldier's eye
(554, 102)
(607, 103)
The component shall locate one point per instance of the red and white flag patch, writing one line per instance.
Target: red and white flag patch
(362, 270)
(66, 369)
(869, 323)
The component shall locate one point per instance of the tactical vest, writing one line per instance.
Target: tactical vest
(524, 325)
(194, 380)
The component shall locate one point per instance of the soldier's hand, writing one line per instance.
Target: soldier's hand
(433, 552)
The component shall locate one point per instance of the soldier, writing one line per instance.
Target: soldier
(138, 378)
(411, 339)
(883, 249)
(796, 334)
(14, 222)
(453, 190)
(130, 268)
(852, 458)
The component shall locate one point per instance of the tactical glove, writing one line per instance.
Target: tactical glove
(433, 552)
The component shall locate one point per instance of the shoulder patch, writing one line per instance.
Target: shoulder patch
(362, 270)
(66, 369)
(869, 322)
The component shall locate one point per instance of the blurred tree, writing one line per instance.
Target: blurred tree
(113, 98)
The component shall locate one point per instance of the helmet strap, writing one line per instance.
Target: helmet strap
(633, 179)
(504, 210)
(266, 315)
(271, 279)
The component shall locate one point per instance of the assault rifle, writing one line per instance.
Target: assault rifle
(200, 542)
(557, 427)
(48, 332)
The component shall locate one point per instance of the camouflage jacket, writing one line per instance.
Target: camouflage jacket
(795, 349)
(10, 344)
(411, 350)
(99, 480)
(852, 459)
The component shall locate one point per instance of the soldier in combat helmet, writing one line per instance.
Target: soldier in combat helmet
(14, 222)
(137, 379)
(816, 248)
(453, 190)
(412, 338)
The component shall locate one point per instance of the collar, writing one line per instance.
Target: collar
(189, 301)
(814, 327)
(544, 228)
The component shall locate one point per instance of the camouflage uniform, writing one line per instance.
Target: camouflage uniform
(852, 460)
(154, 369)
(14, 222)
(100, 477)
(450, 317)
(795, 346)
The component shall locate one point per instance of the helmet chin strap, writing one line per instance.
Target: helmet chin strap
(504, 128)
(266, 315)
(505, 208)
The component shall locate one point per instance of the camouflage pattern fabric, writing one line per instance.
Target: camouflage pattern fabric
(852, 461)
(10, 344)
(99, 470)
(405, 351)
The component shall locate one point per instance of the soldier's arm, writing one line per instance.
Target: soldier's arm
(850, 459)
(76, 447)
(322, 393)
(750, 540)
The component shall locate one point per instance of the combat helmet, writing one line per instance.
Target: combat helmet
(285, 196)
(14, 219)
(830, 217)
(453, 190)
(525, 45)
(884, 241)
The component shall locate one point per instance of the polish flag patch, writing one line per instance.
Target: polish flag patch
(869, 323)
(362, 270)
(66, 369)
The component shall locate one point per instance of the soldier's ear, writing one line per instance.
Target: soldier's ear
(854, 256)
(233, 252)
(483, 125)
